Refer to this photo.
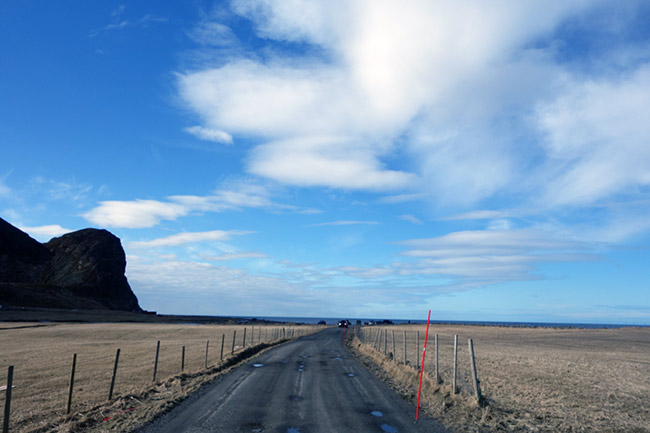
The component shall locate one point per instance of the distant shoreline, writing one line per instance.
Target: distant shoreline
(19, 314)
(333, 321)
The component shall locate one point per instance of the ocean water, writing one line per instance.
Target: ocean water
(334, 321)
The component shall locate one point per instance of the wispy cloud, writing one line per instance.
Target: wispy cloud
(597, 139)
(344, 223)
(148, 213)
(117, 22)
(45, 233)
(134, 214)
(331, 122)
(365, 273)
(235, 256)
(455, 101)
(325, 161)
(189, 238)
(481, 215)
(211, 289)
(411, 218)
(213, 34)
(485, 257)
(5, 191)
(54, 190)
(209, 134)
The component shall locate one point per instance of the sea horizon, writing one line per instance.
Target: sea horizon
(379, 321)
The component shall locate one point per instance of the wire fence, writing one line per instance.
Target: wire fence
(57, 373)
(448, 361)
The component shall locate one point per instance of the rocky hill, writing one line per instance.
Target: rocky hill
(83, 269)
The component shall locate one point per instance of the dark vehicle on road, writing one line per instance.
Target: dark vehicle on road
(344, 323)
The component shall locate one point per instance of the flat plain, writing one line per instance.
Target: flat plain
(533, 379)
(42, 355)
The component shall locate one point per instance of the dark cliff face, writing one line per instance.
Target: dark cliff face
(20, 255)
(83, 269)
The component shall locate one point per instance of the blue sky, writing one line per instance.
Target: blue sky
(487, 161)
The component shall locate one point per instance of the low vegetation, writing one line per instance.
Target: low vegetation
(42, 354)
(533, 379)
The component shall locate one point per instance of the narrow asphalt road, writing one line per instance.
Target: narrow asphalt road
(310, 385)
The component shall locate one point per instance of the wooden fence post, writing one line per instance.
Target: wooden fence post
(223, 340)
(405, 359)
(232, 349)
(74, 366)
(394, 353)
(207, 344)
(117, 359)
(244, 343)
(259, 334)
(455, 363)
(155, 364)
(385, 343)
(437, 370)
(477, 388)
(417, 351)
(10, 380)
(183, 359)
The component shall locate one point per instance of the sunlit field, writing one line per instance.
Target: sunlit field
(533, 379)
(42, 356)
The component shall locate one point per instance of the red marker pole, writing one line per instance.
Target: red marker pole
(424, 352)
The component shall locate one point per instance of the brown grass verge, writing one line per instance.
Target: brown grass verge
(534, 379)
(137, 408)
(42, 360)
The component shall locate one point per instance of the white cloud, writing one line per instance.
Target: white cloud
(500, 224)
(490, 241)
(325, 161)
(189, 238)
(344, 223)
(485, 257)
(235, 256)
(59, 190)
(439, 74)
(134, 214)
(598, 137)
(211, 289)
(45, 233)
(411, 218)
(215, 34)
(5, 191)
(292, 20)
(209, 134)
(139, 213)
(481, 214)
(119, 23)
(365, 273)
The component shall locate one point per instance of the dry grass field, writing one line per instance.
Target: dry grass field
(533, 379)
(42, 358)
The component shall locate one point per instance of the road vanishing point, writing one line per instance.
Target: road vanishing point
(310, 385)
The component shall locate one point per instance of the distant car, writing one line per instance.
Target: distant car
(343, 323)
